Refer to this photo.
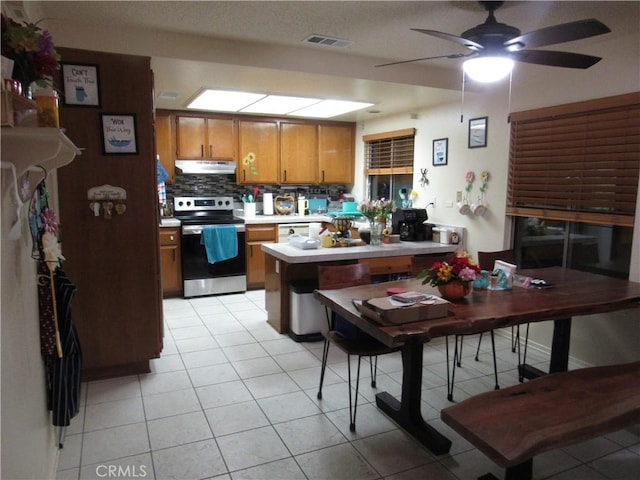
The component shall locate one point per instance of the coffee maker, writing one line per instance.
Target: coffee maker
(409, 224)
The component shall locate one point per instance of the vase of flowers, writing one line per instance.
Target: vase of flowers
(454, 277)
(32, 51)
(378, 213)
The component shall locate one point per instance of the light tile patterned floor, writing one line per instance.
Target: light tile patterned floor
(230, 398)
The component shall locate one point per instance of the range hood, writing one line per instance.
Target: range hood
(204, 167)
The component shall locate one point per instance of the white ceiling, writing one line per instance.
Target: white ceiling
(257, 46)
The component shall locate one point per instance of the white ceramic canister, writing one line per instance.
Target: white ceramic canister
(314, 229)
(249, 210)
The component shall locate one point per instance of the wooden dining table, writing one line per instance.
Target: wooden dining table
(571, 293)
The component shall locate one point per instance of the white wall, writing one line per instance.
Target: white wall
(445, 181)
(28, 437)
(596, 339)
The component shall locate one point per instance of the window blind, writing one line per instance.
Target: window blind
(389, 152)
(579, 163)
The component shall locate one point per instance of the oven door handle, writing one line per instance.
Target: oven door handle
(197, 229)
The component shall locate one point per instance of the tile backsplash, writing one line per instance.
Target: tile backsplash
(225, 185)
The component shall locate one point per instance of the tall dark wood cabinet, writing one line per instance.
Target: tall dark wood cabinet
(114, 262)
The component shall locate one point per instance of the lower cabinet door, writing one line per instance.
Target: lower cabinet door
(255, 265)
(170, 268)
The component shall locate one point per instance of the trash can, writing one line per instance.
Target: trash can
(306, 314)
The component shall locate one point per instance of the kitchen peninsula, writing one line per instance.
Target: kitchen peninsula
(286, 264)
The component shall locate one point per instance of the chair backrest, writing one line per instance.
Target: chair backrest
(486, 260)
(343, 276)
(420, 263)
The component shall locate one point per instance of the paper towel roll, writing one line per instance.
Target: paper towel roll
(267, 204)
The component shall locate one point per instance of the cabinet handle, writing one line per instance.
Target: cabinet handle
(251, 251)
(285, 175)
(322, 176)
(171, 237)
(244, 175)
(202, 150)
(211, 151)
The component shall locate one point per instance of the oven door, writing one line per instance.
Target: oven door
(203, 278)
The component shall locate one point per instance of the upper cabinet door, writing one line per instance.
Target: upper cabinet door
(222, 138)
(299, 153)
(191, 138)
(258, 155)
(203, 138)
(336, 154)
(164, 145)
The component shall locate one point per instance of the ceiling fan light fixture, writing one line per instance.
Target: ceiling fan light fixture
(488, 69)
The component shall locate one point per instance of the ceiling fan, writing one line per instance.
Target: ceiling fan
(494, 39)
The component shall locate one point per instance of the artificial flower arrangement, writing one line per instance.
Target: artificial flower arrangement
(469, 177)
(32, 51)
(460, 268)
(374, 209)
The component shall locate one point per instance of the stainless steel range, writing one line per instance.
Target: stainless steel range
(199, 276)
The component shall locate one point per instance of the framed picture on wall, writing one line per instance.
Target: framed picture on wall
(81, 85)
(478, 132)
(440, 151)
(119, 133)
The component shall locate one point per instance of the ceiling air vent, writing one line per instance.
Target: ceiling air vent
(169, 95)
(327, 41)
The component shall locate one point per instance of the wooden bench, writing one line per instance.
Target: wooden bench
(513, 425)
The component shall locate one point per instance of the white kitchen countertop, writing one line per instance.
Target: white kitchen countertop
(169, 222)
(290, 254)
(261, 219)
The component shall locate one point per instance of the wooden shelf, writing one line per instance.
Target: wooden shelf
(26, 147)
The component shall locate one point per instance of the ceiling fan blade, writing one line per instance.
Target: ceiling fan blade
(555, 59)
(564, 32)
(455, 55)
(452, 38)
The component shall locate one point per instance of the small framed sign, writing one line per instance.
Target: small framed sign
(440, 151)
(119, 133)
(478, 132)
(81, 85)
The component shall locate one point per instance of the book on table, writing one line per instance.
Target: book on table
(404, 308)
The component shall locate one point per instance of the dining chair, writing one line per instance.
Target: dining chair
(418, 264)
(487, 260)
(346, 336)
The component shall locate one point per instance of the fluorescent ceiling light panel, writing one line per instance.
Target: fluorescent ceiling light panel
(223, 100)
(279, 105)
(231, 101)
(330, 108)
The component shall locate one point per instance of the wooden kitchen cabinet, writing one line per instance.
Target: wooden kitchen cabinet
(336, 154)
(165, 145)
(205, 138)
(170, 267)
(261, 139)
(298, 153)
(256, 235)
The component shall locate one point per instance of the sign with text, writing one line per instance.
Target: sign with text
(119, 133)
(81, 85)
